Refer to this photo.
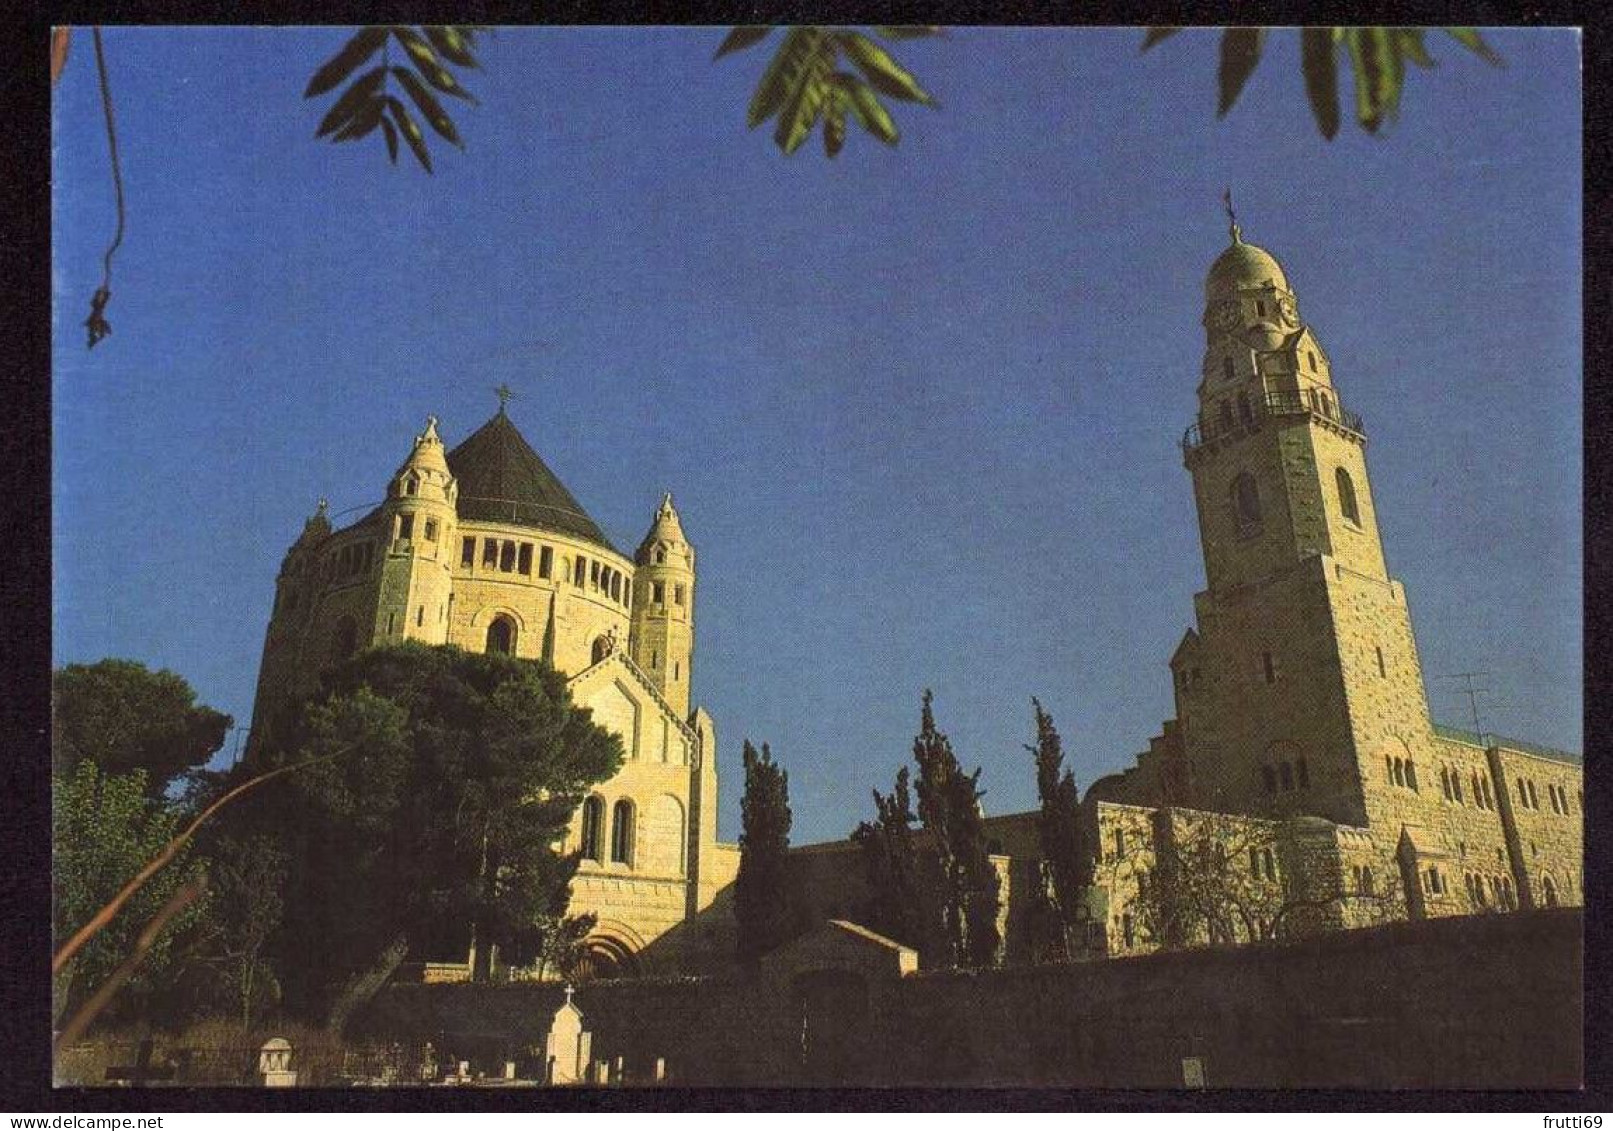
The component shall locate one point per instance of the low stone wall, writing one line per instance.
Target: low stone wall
(1475, 1002)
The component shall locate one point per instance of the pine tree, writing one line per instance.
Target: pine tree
(949, 809)
(761, 893)
(1066, 865)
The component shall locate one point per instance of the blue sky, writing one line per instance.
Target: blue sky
(919, 406)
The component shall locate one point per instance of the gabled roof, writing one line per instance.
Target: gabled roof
(501, 479)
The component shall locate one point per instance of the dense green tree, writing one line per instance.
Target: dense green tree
(949, 809)
(122, 716)
(432, 825)
(1067, 863)
(762, 892)
(902, 892)
(105, 827)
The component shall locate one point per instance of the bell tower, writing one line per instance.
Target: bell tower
(663, 607)
(1306, 674)
(420, 532)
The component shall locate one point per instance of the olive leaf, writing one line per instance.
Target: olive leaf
(1320, 64)
(1240, 54)
(741, 38)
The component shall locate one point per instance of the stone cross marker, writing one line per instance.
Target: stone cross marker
(568, 1047)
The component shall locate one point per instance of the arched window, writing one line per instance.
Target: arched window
(660, 555)
(411, 486)
(621, 833)
(1347, 502)
(1445, 783)
(345, 640)
(1551, 892)
(1311, 355)
(1271, 865)
(501, 635)
(1246, 500)
(1400, 772)
(601, 648)
(1366, 881)
(593, 823)
(1411, 773)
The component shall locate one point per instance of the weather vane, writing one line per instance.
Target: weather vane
(504, 393)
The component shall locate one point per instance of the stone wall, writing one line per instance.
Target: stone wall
(1478, 1002)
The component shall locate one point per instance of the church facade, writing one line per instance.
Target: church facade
(483, 548)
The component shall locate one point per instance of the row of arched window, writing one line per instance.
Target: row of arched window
(621, 831)
(1262, 864)
(1401, 771)
(1559, 799)
(1361, 876)
(506, 556)
(1529, 798)
(1434, 881)
(1483, 891)
(1286, 776)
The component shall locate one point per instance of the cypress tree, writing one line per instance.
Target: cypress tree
(761, 893)
(1066, 866)
(901, 896)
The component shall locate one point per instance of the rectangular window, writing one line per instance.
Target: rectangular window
(593, 574)
(489, 553)
(524, 561)
(406, 528)
(420, 616)
(580, 573)
(1311, 355)
(545, 561)
(677, 594)
(431, 530)
(677, 669)
(506, 557)
(1383, 672)
(658, 593)
(1269, 667)
(467, 553)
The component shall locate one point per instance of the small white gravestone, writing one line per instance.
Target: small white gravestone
(660, 1069)
(1192, 1072)
(274, 1064)
(509, 1070)
(568, 1047)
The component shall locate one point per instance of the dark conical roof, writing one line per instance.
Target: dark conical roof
(501, 479)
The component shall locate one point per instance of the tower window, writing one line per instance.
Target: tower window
(1310, 355)
(1226, 368)
(1347, 502)
(1226, 414)
(677, 594)
(431, 530)
(467, 552)
(593, 819)
(506, 557)
(658, 593)
(660, 555)
(1246, 500)
(621, 833)
(1245, 412)
(545, 561)
(501, 636)
(420, 617)
(524, 560)
(411, 486)
(405, 527)
(1269, 666)
(677, 670)
(1383, 672)
(1260, 309)
(489, 553)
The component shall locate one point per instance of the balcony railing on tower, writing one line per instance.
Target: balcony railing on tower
(1248, 415)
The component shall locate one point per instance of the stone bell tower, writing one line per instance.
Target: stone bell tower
(663, 607)
(419, 527)
(1303, 677)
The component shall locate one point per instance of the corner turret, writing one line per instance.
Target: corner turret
(663, 606)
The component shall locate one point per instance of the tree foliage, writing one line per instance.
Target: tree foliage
(1377, 58)
(123, 717)
(429, 53)
(105, 827)
(762, 892)
(804, 83)
(1067, 863)
(902, 900)
(438, 823)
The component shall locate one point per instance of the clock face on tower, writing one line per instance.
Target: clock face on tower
(1288, 311)
(1225, 317)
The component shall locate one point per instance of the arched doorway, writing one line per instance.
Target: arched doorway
(605, 957)
(501, 635)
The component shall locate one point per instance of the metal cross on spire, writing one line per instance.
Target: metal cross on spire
(504, 394)
(1232, 218)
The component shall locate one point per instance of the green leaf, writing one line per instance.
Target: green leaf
(1157, 35)
(1470, 39)
(410, 130)
(899, 32)
(351, 100)
(779, 78)
(871, 114)
(834, 121)
(1410, 42)
(362, 122)
(742, 37)
(805, 103)
(422, 56)
(1378, 74)
(391, 132)
(345, 61)
(1320, 63)
(451, 43)
(429, 106)
(885, 74)
(1240, 54)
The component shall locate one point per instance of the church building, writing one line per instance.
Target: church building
(483, 548)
